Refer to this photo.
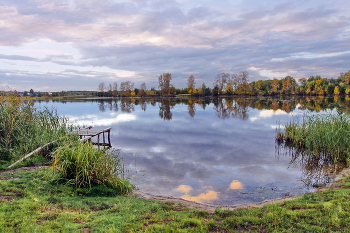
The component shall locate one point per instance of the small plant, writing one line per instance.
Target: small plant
(84, 166)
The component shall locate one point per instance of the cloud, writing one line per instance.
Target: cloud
(148, 38)
(17, 57)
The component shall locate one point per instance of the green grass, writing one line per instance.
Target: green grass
(29, 203)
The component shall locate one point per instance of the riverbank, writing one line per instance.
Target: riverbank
(28, 202)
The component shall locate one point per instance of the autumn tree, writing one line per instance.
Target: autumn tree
(164, 83)
(126, 88)
(221, 81)
(275, 86)
(345, 78)
(240, 82)
(191, 84)
(286, 84)
(143, 89)
(115, 89)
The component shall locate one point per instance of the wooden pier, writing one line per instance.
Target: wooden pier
(88, 134)
(85, 134)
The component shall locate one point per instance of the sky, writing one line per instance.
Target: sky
(55, 45)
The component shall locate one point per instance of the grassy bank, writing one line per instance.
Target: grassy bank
(29, 203)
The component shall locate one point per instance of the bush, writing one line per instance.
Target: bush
(83, 165)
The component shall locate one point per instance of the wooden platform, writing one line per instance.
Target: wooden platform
(88, 134)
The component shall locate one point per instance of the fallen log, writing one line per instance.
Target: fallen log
(31, 153)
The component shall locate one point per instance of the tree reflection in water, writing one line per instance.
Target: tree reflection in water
(317, 170)
(220, 161)
(165, 105)
(230, 107)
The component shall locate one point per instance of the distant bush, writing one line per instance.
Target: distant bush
(82, 165)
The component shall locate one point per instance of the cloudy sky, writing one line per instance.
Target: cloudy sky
(54, 45)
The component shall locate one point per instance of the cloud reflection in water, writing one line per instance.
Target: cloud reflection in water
(205, 150)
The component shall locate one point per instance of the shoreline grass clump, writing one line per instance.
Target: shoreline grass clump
(323, 135)
(84, 166)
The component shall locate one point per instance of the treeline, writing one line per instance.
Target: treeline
(225, 84)
(234, 84)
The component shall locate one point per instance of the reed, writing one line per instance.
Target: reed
(82, 165)
(23, 128)
(323, 135)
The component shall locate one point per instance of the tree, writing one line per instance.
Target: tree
(32, 93)
(221, 81)
(110, 90)
(126, 88)
(143, 89)
(286, 85)
(164, 83)
(190, 84)
(345, 78)
(336, 91)
(101, 87)
(115, 89)
(240, 82)
(275, 85)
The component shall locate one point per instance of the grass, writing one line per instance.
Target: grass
(29, 203)
(321, 136)
(82, 165)
(24, 128)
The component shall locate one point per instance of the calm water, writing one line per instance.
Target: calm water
(220, 152)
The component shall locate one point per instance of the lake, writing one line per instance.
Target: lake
(213, 151)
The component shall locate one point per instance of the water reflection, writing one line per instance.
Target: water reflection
(165, 106)
(236, 185)
(224, 108)
(316, 170)
(216, 151)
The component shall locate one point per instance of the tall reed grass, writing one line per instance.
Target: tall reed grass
(319, 135)
(82, 165)
(23, 128)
